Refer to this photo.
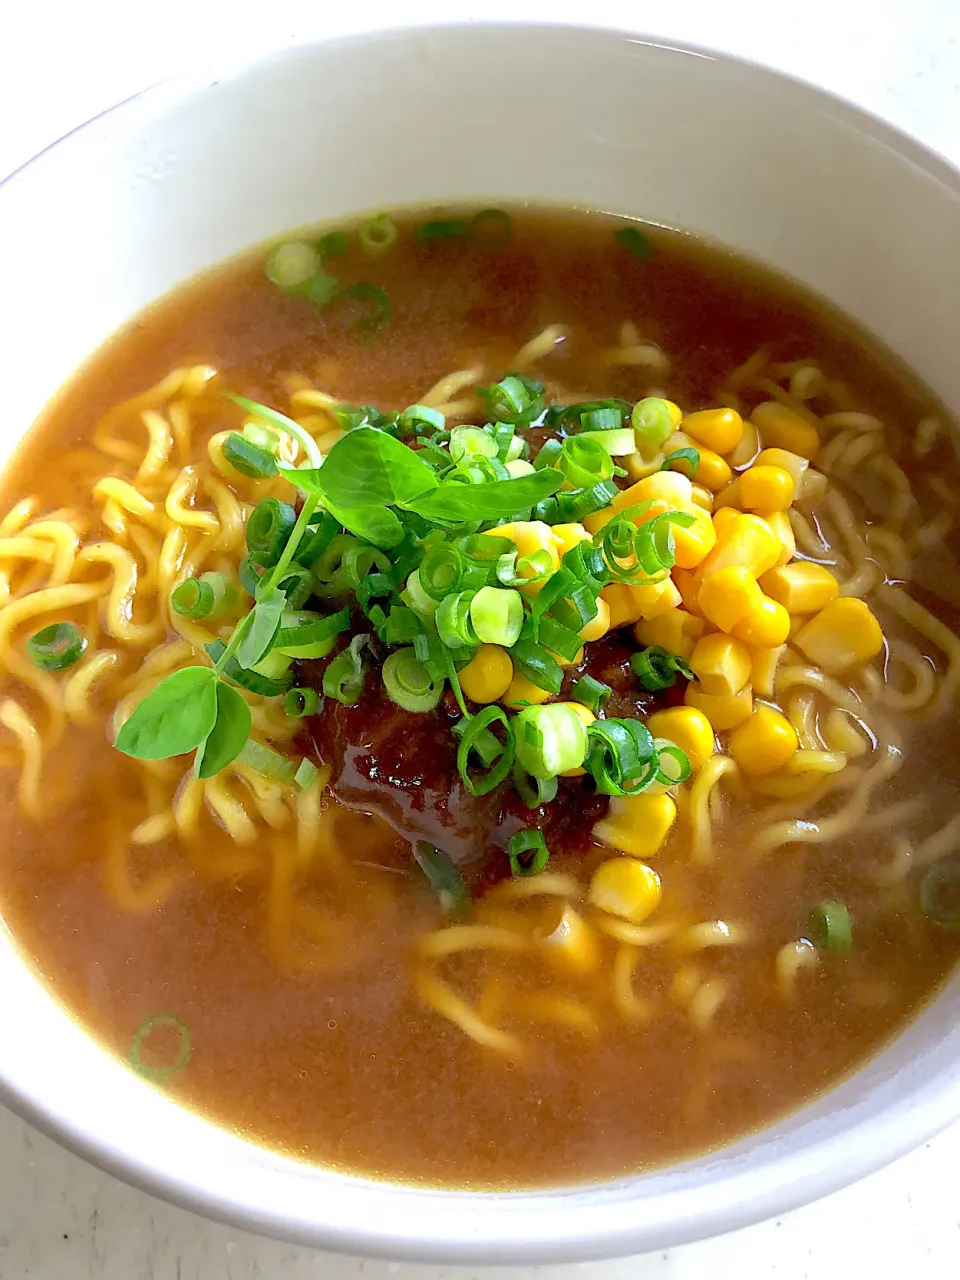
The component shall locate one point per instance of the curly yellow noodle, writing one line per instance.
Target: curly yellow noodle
(443, 394)
(172, 552)
(552, 883)
(922, 677)
(629, 1005)
(685, 983)
(791, 960)
(79, 685)
(129, 499)
(159, 448)
(65, 540)
(802, 714)
(183, 491)
(699, 815)
(704, 1004)
(308, 804)
(231, 812)
(744, 374)
(711, 933)
(902, 500)
(922, 620)
(49, 600)
(636, 935)
(470, 937)
(267, 795)
(230, 514)
(118, 605)
(800, 673)
(188, 806)
(899, 866)
(17, 517)
(23, 548)
(14, 718)
(135, 898)
(154, 829)
(542, 345)
(937, 846)
(443, 1000)
(148, 546)
(546, 1006)
(180, 428)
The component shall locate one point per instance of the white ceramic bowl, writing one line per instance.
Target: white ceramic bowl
(181, 177)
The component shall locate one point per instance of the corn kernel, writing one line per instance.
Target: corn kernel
(688, 584)
(702, 497)
(766, 626)
(638, 467)
(841, 635)
(722, 665)
(770, 488)
(724, 711)
(746, 451)
(764, 669)
(692, 545)
(781, 428)
(747, 542)
(522, 692)
(566, 536)
(567, 941)
(625, 887)
(599, 624)
(791, 462)
(637, 825)
(689, 729)
(712, 472)
(800, 587)
(621, 605)
(530, 536)
(728, 497)
(782, 529)
(674, 630)
(487, 675)
(719, 429)
(724, 516)
(655, 598)
(671, 489)
(729, 596)
(764, 742)
(675, 412)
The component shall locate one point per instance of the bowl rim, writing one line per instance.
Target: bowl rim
(892, 1134)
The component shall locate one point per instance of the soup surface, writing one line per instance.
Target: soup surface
(278, 944)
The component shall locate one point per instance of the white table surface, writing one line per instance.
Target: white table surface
(62, 61)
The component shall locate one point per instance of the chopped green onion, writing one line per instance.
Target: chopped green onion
(421, 601)
(333, 245)
(378, 234)
(442, 229)
(401, 625)
(657, 669)
(528, 853)
(320, 289)
(446, 880)
(418, 417)
(477, 726)
(316, 539)
(621, 756)
(301, 631)
(301, 702)
(571, 418)
(497, 615)
(533, 661)
(248, 458)
(573, 506)
(550, 739)
(253, 680)
(454, 624)
(472, 442)
(249, 578)
(274, 665)
(605, 419)
(408, 683)
(262, 437)
(559, 639)
(513, 399)
(637, 243)
(268, 528)
(618, 441)
(534, 792)
(653, 424)
(267, 761)
(831, 929)
(306, 775)
(673, 764)
(940, 893)
(364, 291)
(296, 584)
(209, 596)
(344, 678)
(689, 456)
(490, 229)
(536, 567)
(584, 462)
(291, 264)
(441, 570)
(591, 693)
(158, 1073)
(56, 647)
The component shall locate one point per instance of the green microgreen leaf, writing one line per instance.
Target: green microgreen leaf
(492, 500)
(226, 739)
(262, 628)
(174, 718)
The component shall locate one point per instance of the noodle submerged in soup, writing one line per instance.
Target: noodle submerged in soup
(477, 697)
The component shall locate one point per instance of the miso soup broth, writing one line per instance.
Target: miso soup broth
(478, 696)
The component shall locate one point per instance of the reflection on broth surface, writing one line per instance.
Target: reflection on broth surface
(367, 964)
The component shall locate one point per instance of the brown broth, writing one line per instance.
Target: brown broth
(342, 1064)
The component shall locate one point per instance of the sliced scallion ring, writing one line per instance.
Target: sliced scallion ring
(497, 615)
(444, 877)
(408, 683)
(497, 770)
(291, 263)
(830, 928)
(56, 647)
(377, 235)
(154, 1022)
(300, 702)
(528, 852)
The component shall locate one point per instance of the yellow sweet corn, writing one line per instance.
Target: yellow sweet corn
(530, 536)
(630, 604)
(702, 497)
(781, 428)
(801, 587)
(567, 941)
(728, 497)
(713, 472)
(792, 462)
(522, 692)
(638, 467)
(746, 542)
(766, 625)
(625, 887)
(841, 635)
(689, 729)
(745, 452)
(487, 675)
(729, 596)
(725, 710)
(763, 669)
(766, 488)
(637, 825)
(599, 624)
(719, 429)
(693, 545)
(668, 488)
(675, 630)
(764, 742)
(566, 536)
(721, 664)
(621, 605)
(724, 516)
(779, 522)
(587, 716)
(675, 412)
